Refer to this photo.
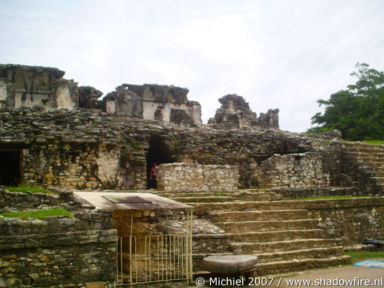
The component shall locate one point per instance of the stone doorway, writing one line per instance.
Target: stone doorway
(158, 153)
(10, 170)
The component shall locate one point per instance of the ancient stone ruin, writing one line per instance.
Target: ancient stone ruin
(235, 113)
(242, 176)
(153, 102)
(28, 86)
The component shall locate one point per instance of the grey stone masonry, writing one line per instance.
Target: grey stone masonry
(57, 251)
(235, 113)
(29, 86)
(196, 177)
(296, 170)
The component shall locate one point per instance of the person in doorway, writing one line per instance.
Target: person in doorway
(153, 176)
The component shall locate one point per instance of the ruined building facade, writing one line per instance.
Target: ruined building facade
(28, 86)
(89, 149)
(153, 102)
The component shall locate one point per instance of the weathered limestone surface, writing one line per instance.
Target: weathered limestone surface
(88, 97)
(28, 86)
(57, 250)
(153, 102)
(86, 149)
(296, 170)
(230, 264)
(235, 113)
(285, 235)
(351, 219)
(195, 177)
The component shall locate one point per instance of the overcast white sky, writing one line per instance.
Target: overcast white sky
(276, 54)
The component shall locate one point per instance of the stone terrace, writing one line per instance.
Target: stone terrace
(283, 234)
(366, 163)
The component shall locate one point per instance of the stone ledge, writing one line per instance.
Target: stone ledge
(57, 239)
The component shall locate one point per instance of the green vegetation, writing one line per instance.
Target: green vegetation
(333, 197)
(374, 141)
(357, 256)
(358, 111)
(29, 188)
(38, 214)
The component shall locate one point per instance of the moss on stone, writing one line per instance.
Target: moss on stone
(29, 188)
(38, 214)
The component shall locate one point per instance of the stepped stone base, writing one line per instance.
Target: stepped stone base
(280, 267)
(284, 235)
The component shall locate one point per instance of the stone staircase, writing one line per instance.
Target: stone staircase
(368, 160)
(280, 233)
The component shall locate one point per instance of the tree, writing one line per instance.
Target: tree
(358, 111)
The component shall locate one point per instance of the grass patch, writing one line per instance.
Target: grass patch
(357, 256)
(374, 141)
(39, 214)
(29, 188)
(334, 197)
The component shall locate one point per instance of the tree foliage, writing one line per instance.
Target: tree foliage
(358, 111)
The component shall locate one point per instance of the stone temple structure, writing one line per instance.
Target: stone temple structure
(33, 86)
(237, 173)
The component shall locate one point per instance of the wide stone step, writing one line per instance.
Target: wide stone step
(195, 194)
(205, 199)
(249, 205)
(268, 236)
(380, 180)
(323, 252)
(373, 161)
(287, 245)
(279, 267)
(259, 215)
(262, 226)
(238, 195)
(375, 173)
(366, 151)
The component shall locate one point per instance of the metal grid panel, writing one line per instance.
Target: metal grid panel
(155, 257)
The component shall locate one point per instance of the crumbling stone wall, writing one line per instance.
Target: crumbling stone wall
(153, 102)
(28, 86)
(57, 250)
(79, 149)
(72, 165)
(296, 170)
(50, 259)
(235, 113)
(88, 97)
(196, 177)
(75, 149)
(21, 201)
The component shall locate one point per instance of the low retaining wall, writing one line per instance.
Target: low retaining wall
(57, 251)
(351, 219)
(196, 177)
(34, 254)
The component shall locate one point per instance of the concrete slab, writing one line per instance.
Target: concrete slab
(124, 200)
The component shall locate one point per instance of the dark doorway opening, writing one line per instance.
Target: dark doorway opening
(158, 153)
(10, 168)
